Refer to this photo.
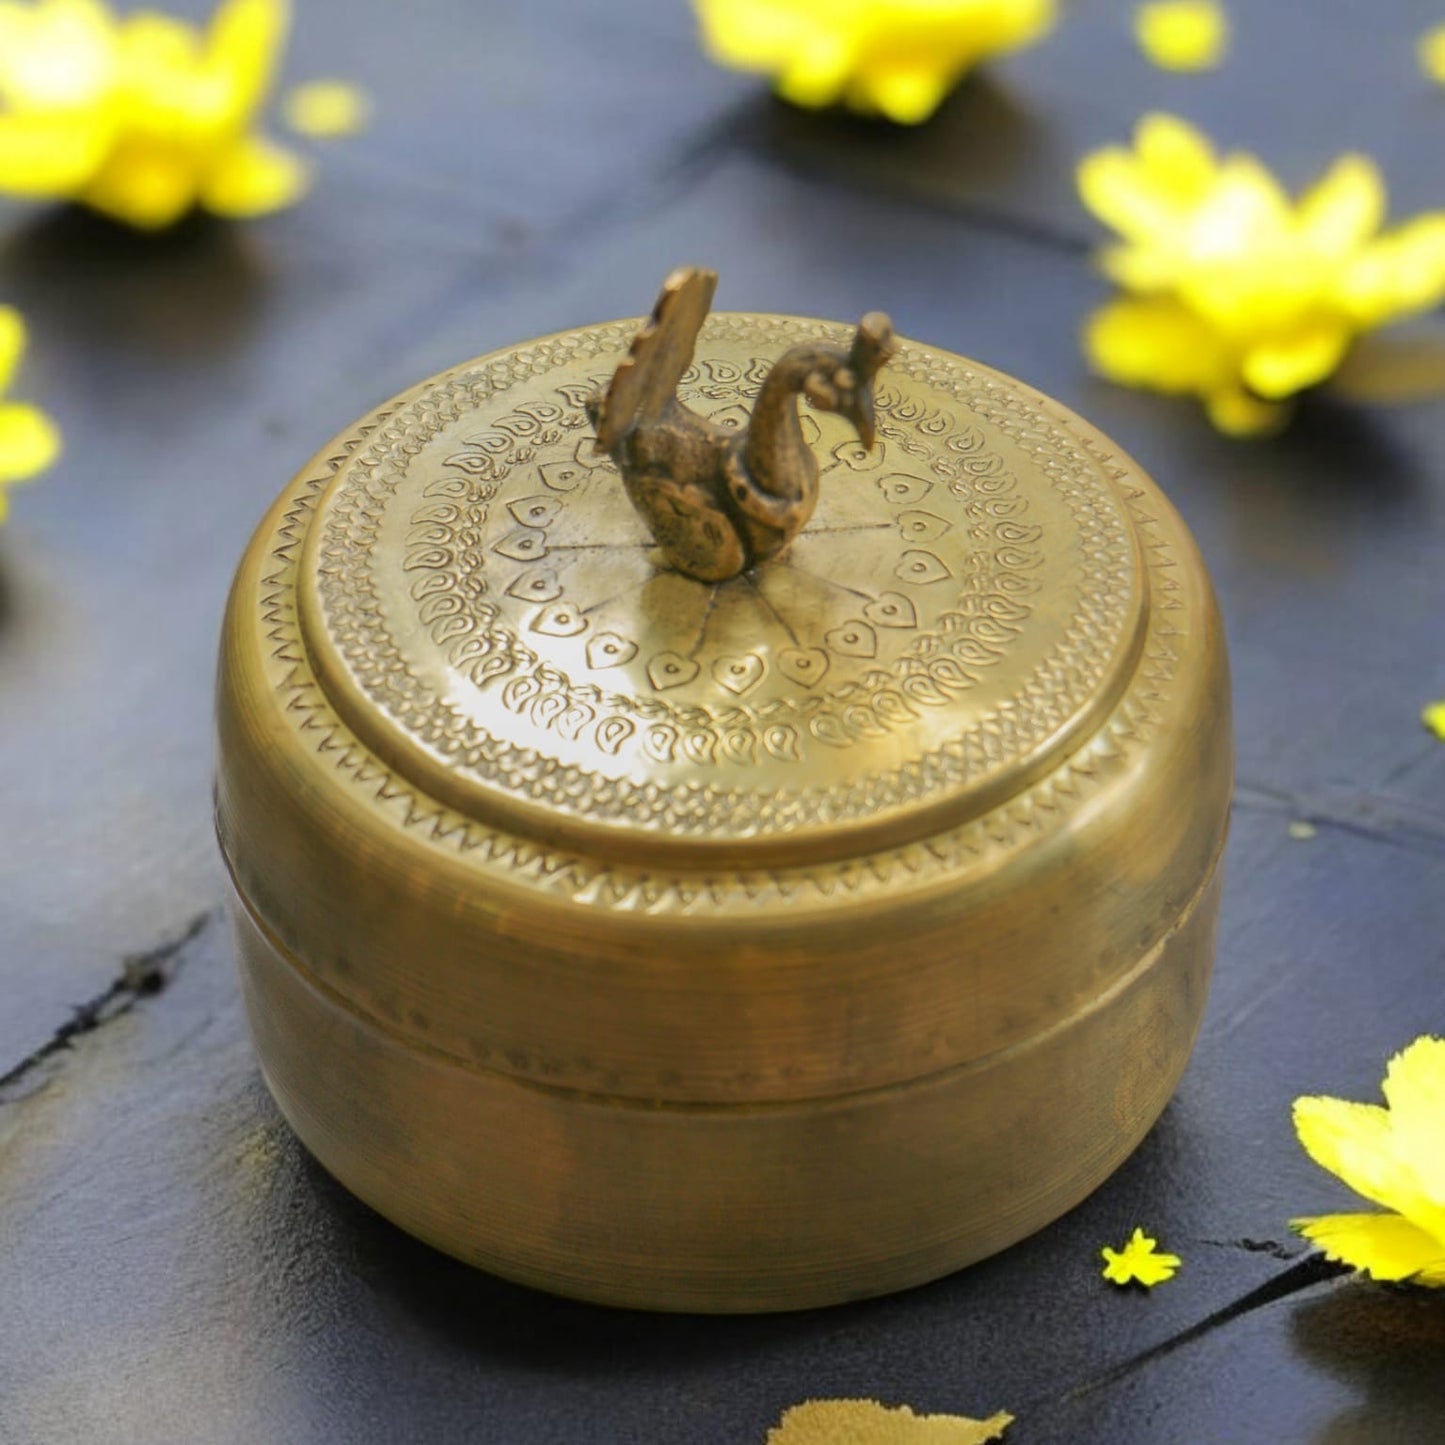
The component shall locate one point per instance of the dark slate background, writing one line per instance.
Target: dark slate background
(172, 1267)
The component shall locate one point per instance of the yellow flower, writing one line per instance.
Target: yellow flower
(1139, 1260)
(1237, 295)
(898, 58)
(29, 441)
(1433, 716)
(1393, 1156)
(1432, 53)
(145, 117)
(326, 108)
(1182, 34)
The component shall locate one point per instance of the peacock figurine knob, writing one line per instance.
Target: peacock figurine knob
(719, 501)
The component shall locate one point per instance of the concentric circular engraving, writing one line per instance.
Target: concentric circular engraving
(488, 613)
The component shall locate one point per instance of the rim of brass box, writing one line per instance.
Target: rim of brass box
(732, 945)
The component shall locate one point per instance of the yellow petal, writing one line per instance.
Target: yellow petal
(908, 96)
(1156, 343)
(1385, 1246)
(1398, 273)
(29, 442)
(1182, 34)
(255, 178)
(1356, 1142)
(1415, 1092)
(1236, 413)
(1433, 716)
(12, 344)
(1432, 53)
(244, 44)
(816, 74)
(1176, 156)
(145, 184)
(1283, 365)
(326, 108)
(59, 56)
(866, 1422)
(1345, 207)
(1120, 192)
(51, 156)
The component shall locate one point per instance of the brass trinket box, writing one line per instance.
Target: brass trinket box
(677, 872)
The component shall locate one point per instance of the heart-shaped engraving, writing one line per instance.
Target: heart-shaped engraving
(921, 526)
(739, 674)
(561, 476)
(856, 457)
(803, 665)
(899, 489)
(920, 568)
(535, 587)
(853, 639)
(523, 544)
(608, 649)
(734, 418)
(891, 609)
(536, 511)
(561, 619)
(670, 669)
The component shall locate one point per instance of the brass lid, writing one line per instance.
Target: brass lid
(488, 613)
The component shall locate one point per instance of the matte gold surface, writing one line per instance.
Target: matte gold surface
(842, 923)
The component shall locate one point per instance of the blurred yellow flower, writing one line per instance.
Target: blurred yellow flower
(1433, 716)
(144, 117)
(326, 108)
(897, 58)
(29, 441)
(1237, 295)
(1393, 1156)
(1432, 53)
(1140, 1260)
(1182, 34)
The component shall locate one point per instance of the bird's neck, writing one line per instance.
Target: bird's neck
(779, 460)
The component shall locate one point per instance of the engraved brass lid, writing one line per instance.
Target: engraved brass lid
(486, 610)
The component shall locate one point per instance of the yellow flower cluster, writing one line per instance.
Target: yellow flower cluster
(29, 441)
(1237, 295)
(1393, 1156)
(897, 58)
(143, 118)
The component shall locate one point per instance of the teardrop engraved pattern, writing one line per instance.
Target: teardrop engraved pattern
(967, 637)
(610, 885)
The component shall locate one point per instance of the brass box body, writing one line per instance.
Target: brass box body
(740, 946)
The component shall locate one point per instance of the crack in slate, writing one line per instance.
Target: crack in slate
(1313, 1270)
(142, 975)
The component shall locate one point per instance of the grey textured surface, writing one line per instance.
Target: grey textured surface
(173, 1267)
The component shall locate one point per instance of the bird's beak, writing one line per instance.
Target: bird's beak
(861, 415)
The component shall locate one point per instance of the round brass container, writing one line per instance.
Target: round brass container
(722, 946)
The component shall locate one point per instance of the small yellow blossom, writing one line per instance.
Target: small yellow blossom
(1237, 295)
(1139, 1260)
(1433, 716)
(323, 109)
(1432, 53)
(1393, 1156)
(1182, 34)
(897, 58)
(146, 117)
(29, 441)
